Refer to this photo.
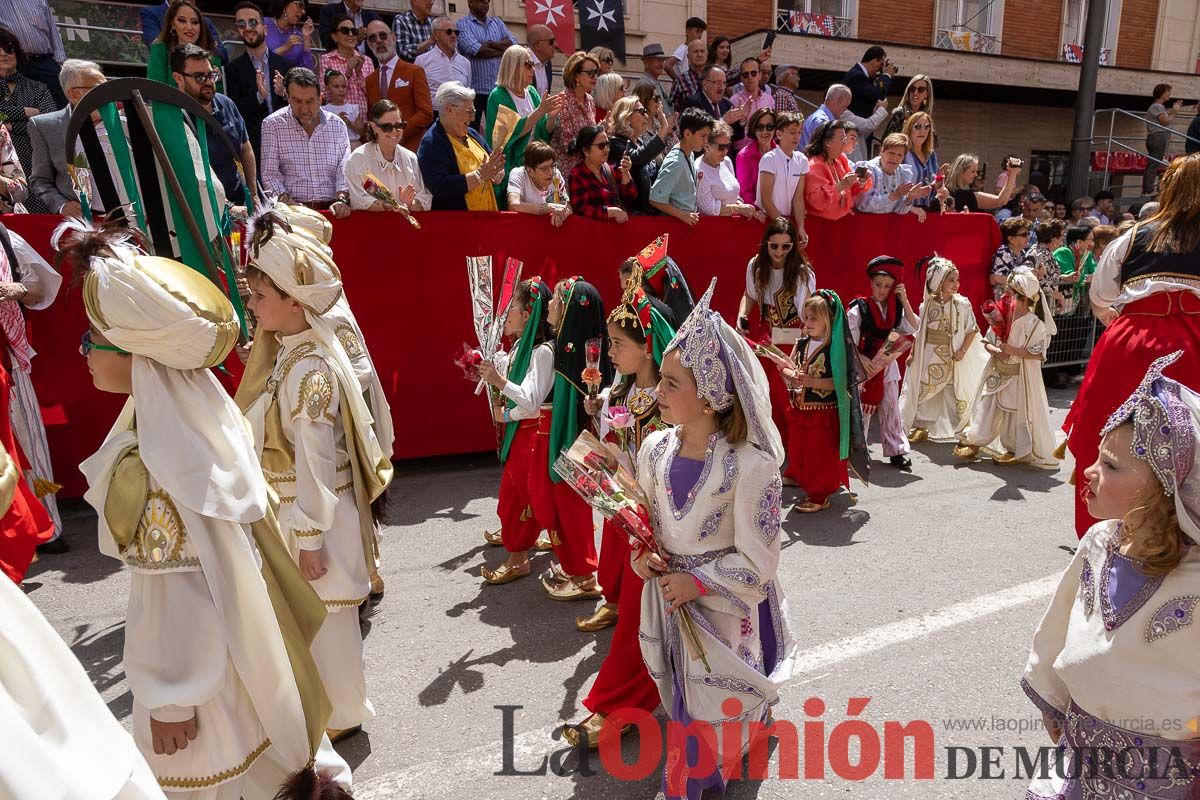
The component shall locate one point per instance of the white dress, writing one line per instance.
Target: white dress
(727, 536)
(1010, 413)
(937, 389)
(1120, 677)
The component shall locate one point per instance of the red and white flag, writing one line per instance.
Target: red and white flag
(559, 16)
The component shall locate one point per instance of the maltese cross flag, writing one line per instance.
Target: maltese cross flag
(559, 16)
(602, 24)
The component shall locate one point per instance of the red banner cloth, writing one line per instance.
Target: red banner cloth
(409, 291)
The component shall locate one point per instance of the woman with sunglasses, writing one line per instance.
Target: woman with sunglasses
(346, 59)
(20, 99)
(921, 156)
(516, 114)
(597, 190)
(717, 190)
(832, 186)
(761, 133)
(629, 135)
(918, 96)
(383, 157)
(290, 34)
(604, 58)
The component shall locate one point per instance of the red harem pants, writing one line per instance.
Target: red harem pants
(26, 524)
(1146, 330)
(526, 490)
(614, 556)
(623, 681)
(813, 448)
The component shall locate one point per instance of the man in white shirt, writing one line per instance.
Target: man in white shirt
(540, 41)
(443, 62)
(781, 174)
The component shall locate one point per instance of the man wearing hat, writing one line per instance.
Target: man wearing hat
(654, 61)
(873, 321)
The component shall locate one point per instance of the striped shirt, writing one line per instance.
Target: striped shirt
(311, 169)
(472, 33)
(32, 22)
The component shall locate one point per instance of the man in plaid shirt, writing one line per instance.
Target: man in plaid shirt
(787, 79)
(688, 82)
(305, 149)
(414, 30)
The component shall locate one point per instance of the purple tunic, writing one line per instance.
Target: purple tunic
(1124, 582)
(297, 56)
(685, 472)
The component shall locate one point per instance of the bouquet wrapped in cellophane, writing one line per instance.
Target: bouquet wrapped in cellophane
(374, 187)
(897, 344)
(594, 473)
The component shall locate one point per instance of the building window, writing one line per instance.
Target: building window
(1075, 24)
(971, 25)
(816, 17)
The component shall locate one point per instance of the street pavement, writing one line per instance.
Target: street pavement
(923, 598)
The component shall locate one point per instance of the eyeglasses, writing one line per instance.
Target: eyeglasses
(750, 74)
(252, 24)
(715, 81)
(781, 246)
(528, 65)
(8, 51)
(388, 127)
(1086, 208)
(1024, 235)
(641, 111)
(450, 31)
(922, 126)
(378, 37)
(919, 90)
(765, 126)
(86, 345)
(606, 61)
(348, 31)
(203, 78)
(591, 73)
(601, 145)
(724, 148)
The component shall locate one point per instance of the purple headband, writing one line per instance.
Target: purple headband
(1163, 432)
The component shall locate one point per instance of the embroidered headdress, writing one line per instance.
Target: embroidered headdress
(726, 368)
(937, 269)
(1024, 283)
(636, 310)
(664, 279)
(1166, 426)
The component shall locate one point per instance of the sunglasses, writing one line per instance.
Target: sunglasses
(784, 246)
(203, 78)
(377, 37)
(388, 127)
(766, 126)
(922, 126)
(714, 81)
(348, 31)
(606, 61)
(252, 24)
(724, 148)
(591, 73)
(919, 90)
(86, 345)
(750, 74)
(1086, 208)
(450, 31)
(641, 111)
(601, 145)
(8, 51)
(528, 65)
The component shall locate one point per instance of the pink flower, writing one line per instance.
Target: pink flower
(619, 417)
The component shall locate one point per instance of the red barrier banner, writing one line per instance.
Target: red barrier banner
(409, 290)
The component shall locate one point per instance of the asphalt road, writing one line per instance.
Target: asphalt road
(922, 598)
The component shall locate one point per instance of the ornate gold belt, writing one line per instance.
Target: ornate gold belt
(938, 337)
(1006, 369)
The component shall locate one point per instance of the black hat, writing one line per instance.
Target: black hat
(885, 265)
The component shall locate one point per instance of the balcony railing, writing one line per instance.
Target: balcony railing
(814, 24)
(966, 40)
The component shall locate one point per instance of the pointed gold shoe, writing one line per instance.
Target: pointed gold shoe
(918, 435)
(966, 451)
(494, 538)
(1007, 458)
(336, 735)
(590, 728)
(603, 617)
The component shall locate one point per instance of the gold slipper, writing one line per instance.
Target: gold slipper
(543, 544)
(505, 573)
(966, 451)
(918, 435)
(494, 538)
(1007, 458)
(809, 507)
(601, 618)
(591, 728)
(571, 590)
(336, 735)
(553, 577)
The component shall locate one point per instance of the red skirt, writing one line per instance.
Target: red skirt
(614, 555)
(562, 512)
(813, 447)
(26, 524)
(1146, 330)
(623, 681)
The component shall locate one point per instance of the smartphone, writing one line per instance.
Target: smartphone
(769, 39)
(861, 171)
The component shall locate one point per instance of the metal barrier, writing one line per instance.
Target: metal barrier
(1078, 332)
(1114, 143)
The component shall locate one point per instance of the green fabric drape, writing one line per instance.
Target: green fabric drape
(514, 149)
(837, 359)
(518, 365)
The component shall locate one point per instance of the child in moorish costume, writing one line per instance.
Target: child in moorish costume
(1146, 289)
(345, 327)
(778, 281)
(1010, 415)
(524, 378)
(1117, 642)
(319, 449)
(947, 360)
(227, 700)
(628, 414)
(662, 280)
(576, 315)
(872, 321)
(714, 489)
(825, 419)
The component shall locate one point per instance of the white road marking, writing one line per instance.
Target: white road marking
(531, 746)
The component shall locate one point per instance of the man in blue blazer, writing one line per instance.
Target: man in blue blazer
(869, 81)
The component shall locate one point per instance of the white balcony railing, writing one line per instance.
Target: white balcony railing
(813, 24)
(966, 40)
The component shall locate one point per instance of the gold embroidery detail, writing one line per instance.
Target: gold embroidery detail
(307, 533)
(345, 487)
(349, 339)
(220, 777)
(315, 396)
(302, 350)
(158, 542)
(344, 603)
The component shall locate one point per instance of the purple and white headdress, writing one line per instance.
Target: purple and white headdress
(725, 366)
(1166, 428)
